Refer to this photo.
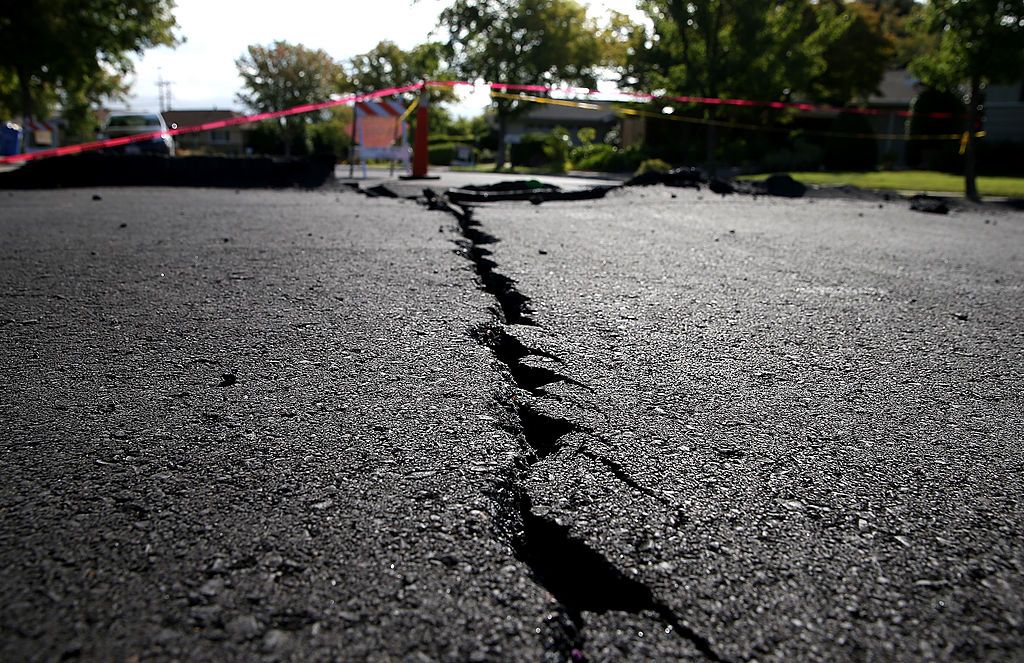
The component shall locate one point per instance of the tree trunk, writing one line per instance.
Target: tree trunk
(499, 158)
(970, 155)
(25, 87)
(712, 143)
(286, 135)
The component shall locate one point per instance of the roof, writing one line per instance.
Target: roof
(188, 118)
(553, 113)
(898, 88)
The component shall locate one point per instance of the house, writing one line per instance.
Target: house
(895, 93)
(1004, 109)
(543, 118)
(229, 140)
(1004, 113)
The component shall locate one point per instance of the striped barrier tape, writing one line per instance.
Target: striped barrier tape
(730, 125)
(502, 90)
(644, 97)
(208, 126)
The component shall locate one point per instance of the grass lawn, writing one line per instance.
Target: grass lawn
(914, 180)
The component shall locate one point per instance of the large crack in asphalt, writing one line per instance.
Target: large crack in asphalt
(579, 578)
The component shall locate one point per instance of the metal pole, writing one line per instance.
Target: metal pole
(420, 144)
(352, 143)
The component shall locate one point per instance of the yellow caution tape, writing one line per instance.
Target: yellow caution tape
(409, 110)
(546, 100)
(736, 125)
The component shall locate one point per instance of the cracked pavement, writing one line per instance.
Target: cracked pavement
(660, 425)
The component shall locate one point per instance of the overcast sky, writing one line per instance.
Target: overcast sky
(203, 72)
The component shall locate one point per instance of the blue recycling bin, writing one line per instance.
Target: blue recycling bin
(10, 139)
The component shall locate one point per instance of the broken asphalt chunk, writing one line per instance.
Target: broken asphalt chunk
(928, 204)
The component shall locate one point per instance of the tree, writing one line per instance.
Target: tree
(283, 75)
(761, 49)
(979, 42)
(386, 65)
(896, 20)
(520, 41)
(75, 53)
(755, 49)
(855, 51)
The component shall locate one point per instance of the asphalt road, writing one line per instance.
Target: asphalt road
(330, 504)
(314, 426)
(799, 423)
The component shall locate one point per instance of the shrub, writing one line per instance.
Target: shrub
(332, 137)
(801, 156)
(606, 158)
(653, 164)
(446, 138)
(591, 156)
(935, 154)
(556, 148)
(586, 135)
(1000, 158)
(859, 151)
(529, 151)
(441, 154)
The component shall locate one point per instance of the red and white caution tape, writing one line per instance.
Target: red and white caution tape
(707, 101)
(501, 88)
(208, 126)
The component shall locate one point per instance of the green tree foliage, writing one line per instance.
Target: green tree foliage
(75, 53)
(386, 65)
(712, 48)
(514, 41)
(853, 147)
(760, 49)
(855, 51)
(897, 19)
(283, 75)
(979, 42)
(333, 134)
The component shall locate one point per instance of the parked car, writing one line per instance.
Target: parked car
(129, 124)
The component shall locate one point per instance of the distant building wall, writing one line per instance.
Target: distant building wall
(1004, 113)
(229, 140)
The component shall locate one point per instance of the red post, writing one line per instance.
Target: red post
(420, 143)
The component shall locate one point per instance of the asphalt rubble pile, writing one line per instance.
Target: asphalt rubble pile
(106, 169)
(780, 185)
(536, 192)
(99, 169)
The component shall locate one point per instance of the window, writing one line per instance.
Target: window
(220, 136)
(133, 120)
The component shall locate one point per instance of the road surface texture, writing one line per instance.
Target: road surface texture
(284, 425)
(797, 424)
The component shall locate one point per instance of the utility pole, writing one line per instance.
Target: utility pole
(164, 91)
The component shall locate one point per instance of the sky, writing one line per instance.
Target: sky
(202, 70)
